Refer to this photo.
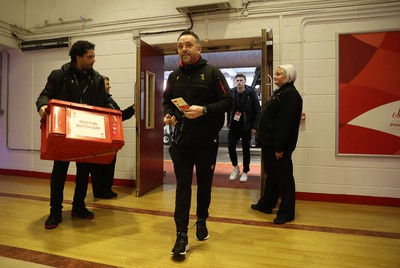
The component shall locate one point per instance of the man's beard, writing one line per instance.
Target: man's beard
(186, 59)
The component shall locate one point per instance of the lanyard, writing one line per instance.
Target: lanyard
(239, 104)
(84, 90)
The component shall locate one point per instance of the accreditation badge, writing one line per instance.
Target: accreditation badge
(237, 115)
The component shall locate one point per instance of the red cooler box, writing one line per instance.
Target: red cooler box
(80, 133)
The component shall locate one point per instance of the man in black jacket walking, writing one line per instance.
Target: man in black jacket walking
(76, 81)
(203, 97)
(242, 123)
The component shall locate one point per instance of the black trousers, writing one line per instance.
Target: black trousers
(234, 136)
(279, 183)
(185, 156)
(103, 177)
(57, 183)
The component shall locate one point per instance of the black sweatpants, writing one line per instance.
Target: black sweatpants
(185, 156)
(279, 183)
(103, 177)
(234, 136)
(57, 183)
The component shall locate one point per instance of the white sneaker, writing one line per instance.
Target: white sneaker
(243, 178)
(234, 173)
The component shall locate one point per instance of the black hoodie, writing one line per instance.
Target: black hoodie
(199, 84)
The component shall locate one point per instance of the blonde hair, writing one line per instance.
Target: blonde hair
(289, 71)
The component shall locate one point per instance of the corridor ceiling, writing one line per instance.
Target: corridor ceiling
(223, 53)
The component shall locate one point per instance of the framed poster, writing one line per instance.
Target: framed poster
(368, 114)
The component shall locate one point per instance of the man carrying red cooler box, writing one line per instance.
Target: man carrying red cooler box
(80, 132)
(76, 82)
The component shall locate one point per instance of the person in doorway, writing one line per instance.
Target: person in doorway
(78, 82)
(203, 97)
(277, 133)
(103, 174)
(242, 123)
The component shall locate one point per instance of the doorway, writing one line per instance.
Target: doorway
(230, 63)
(240, 56)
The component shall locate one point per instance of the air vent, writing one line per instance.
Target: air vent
(213, 5)
(45, 44)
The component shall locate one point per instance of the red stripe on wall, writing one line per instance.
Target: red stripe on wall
(321, 197)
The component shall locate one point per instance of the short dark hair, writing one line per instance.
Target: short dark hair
(79, 48)
(106, 78)
(188, 32)
(240, 75)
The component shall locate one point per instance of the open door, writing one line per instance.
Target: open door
(149, 91)
(266, 81)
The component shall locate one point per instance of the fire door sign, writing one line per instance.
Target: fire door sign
(86, 124)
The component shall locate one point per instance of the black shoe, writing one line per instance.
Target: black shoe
(113, 194)
(82, 212)
(53, 220)
(181, 245)
(281, 220)
(201, 230)
(266, 211)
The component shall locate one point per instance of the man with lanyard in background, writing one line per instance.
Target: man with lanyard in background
(242, 123)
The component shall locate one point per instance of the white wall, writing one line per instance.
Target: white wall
(11, 13)
(305, 37)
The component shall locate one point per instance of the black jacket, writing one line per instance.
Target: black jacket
(61, 84)
(126, 114)
(249, 107)
(280, 120)
(199, 84)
